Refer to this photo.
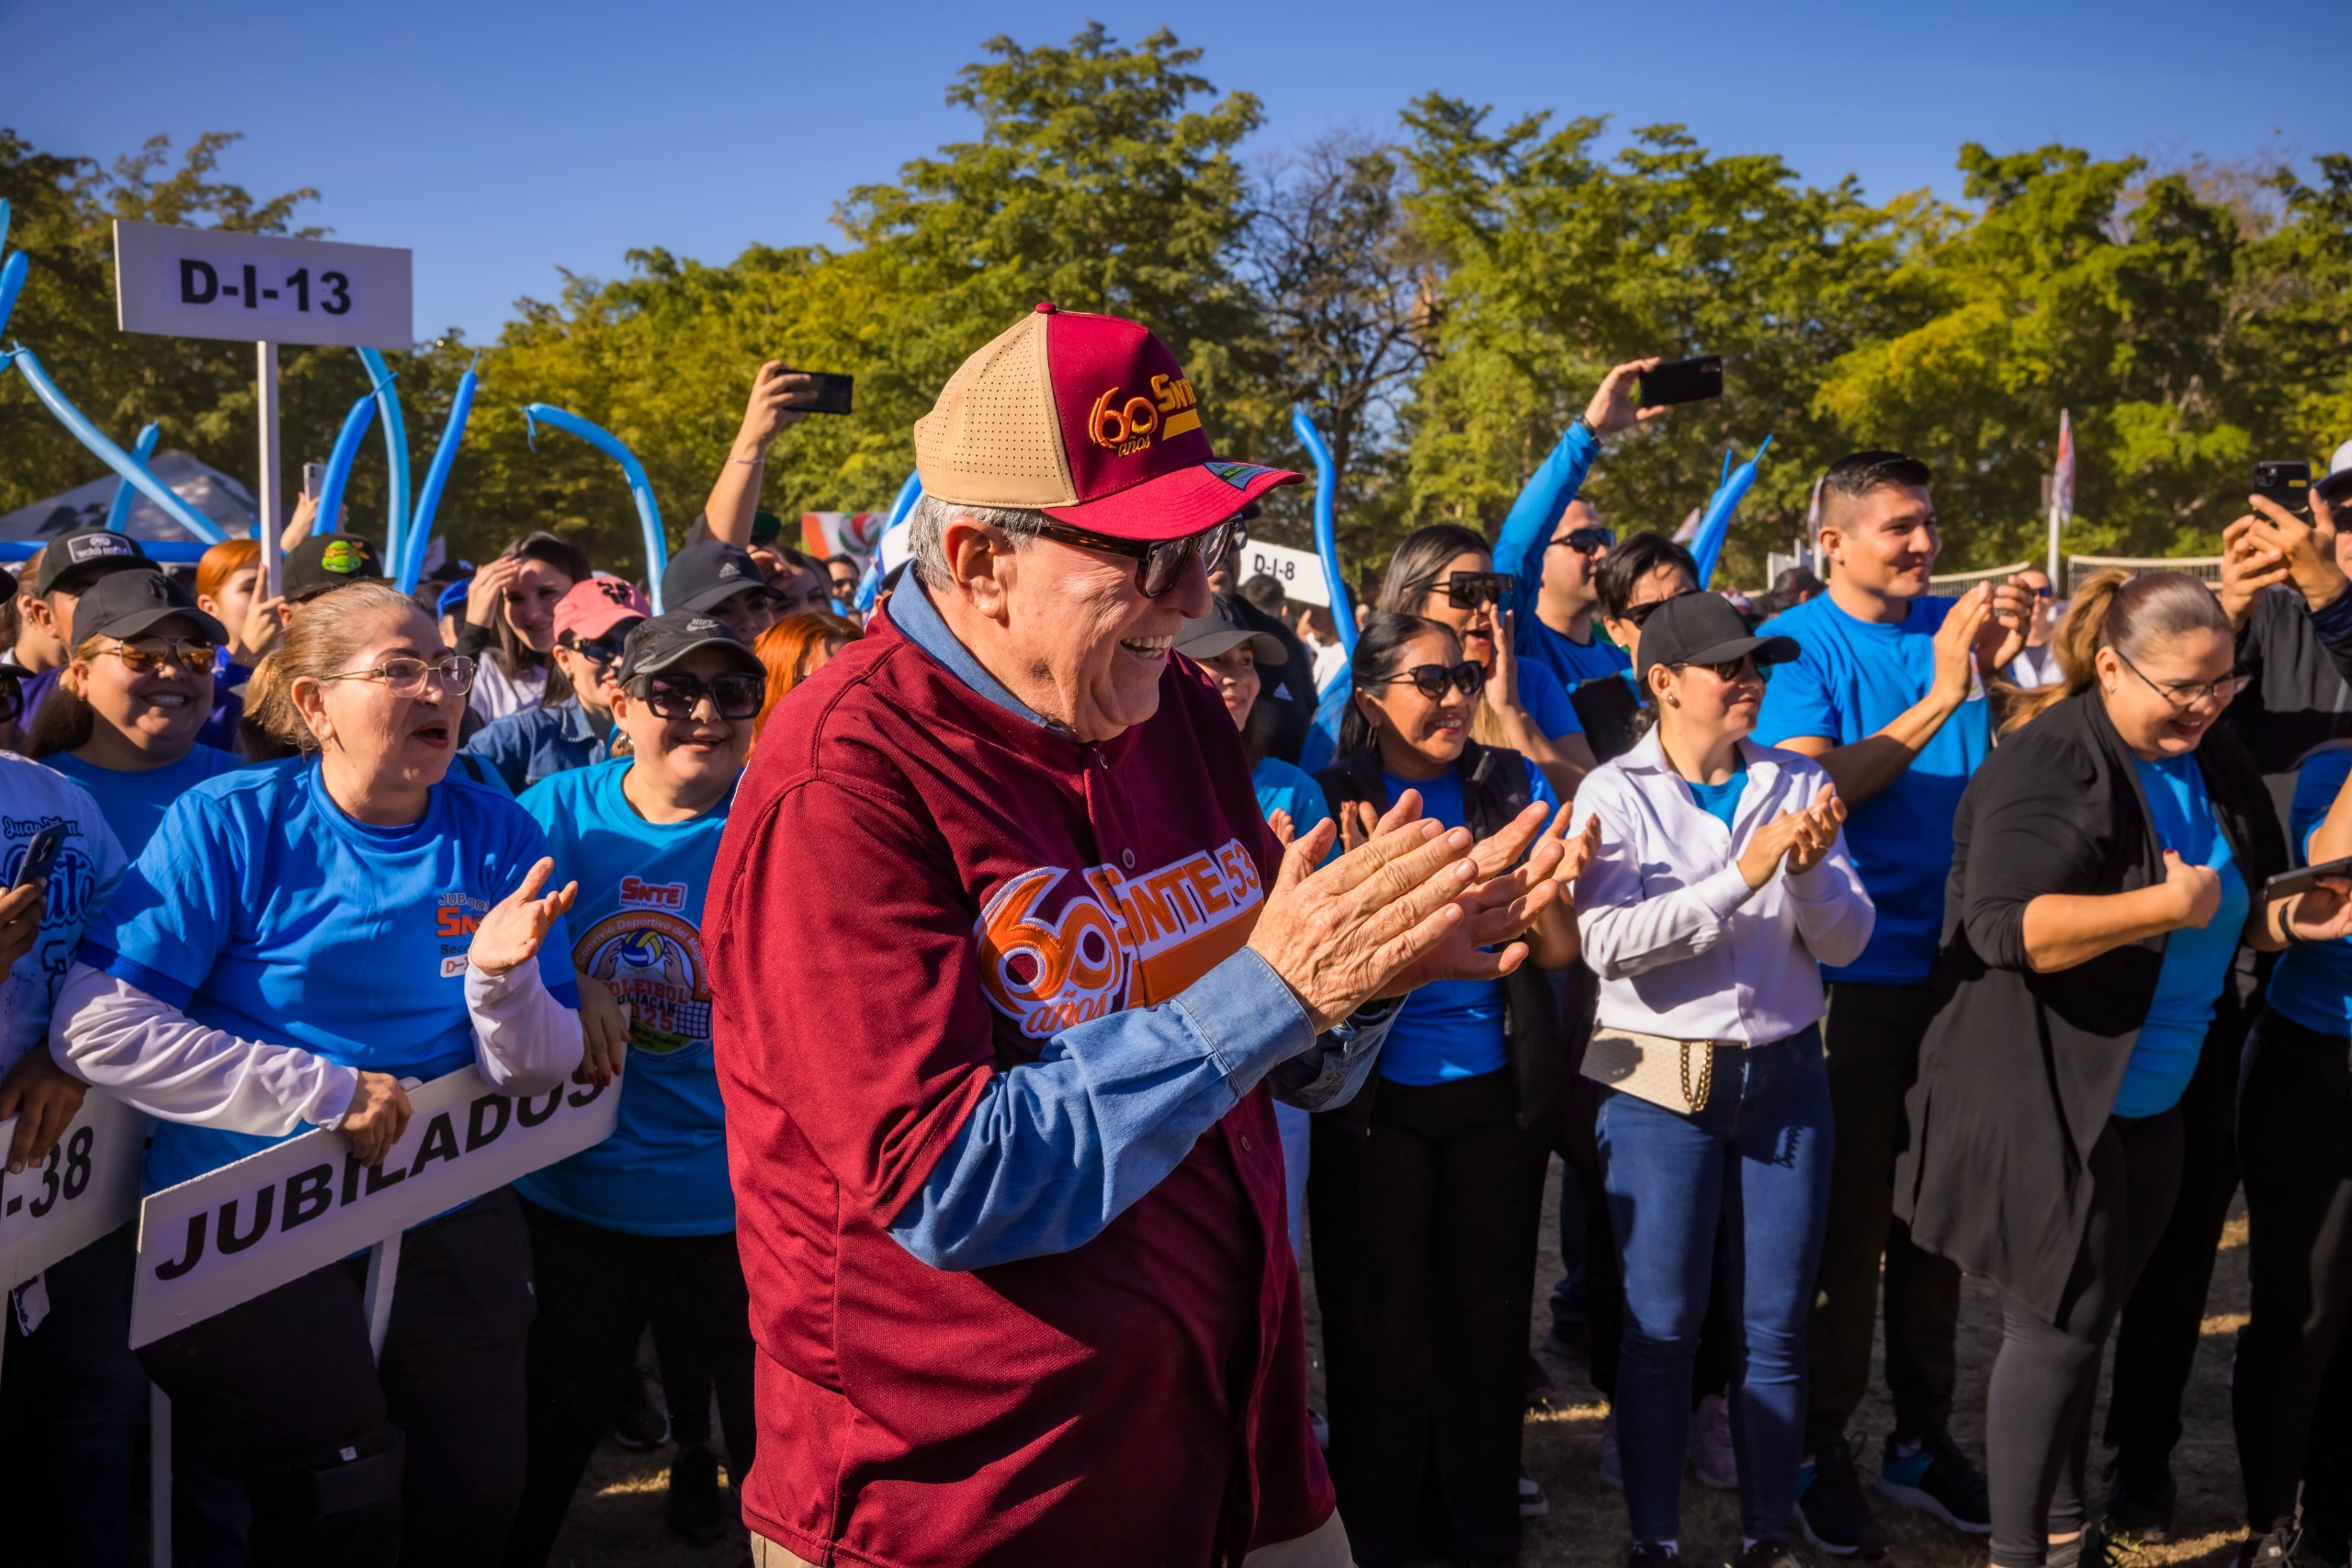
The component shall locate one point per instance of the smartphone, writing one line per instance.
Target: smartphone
(831, 395)
(314, 477)
(41, 855)
(2304, 878)
(1683, 381)
(2284, 484)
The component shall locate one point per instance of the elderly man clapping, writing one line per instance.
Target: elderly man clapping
(1006, 970)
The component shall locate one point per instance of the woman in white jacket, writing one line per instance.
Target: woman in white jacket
(1721, 887)
(295, 940)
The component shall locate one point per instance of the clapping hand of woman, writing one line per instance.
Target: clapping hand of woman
(511, 934)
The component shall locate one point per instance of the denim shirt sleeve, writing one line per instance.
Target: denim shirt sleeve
(1059, 1147)
(1527, 531)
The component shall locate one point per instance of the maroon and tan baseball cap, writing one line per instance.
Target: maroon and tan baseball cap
(1089, 420)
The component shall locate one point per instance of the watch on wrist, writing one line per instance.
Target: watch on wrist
(1588, 429)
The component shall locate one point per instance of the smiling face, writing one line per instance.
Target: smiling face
(375, 741)
(1475, 626)
(1884, 542)
(159, 709)
(2146, 706)
(531, 600)
(1698, 708)
(1081, 629)
(1569, 572)
(1420, 735)
(1235, 673)
(695, 756)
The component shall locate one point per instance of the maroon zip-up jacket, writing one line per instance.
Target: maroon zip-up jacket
(917, 887)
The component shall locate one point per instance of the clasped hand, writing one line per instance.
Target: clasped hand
(1799, 839)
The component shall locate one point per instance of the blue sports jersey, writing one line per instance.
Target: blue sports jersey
(2313, 984)
(260, 908)
(135, 802)
(1851, 680)
(1449, 1028)
(2197, 961)
(663, 1171)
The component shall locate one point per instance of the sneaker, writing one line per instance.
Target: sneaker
(2279, 1549)
(1937, 1478)
(2141, 1506)
(640, 1426)
(1710, 1451)
(1830, 1506)
(1613, 1463)
(697, 1511)
(1531, 1502)
(1768, 1553)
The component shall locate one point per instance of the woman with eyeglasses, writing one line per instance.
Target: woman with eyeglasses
(1424, 1191)
(123, 720)
(296, 939)
(647, 1213)
(1722, 886)
(1445, 573)
(2104, 868)
(573, 724)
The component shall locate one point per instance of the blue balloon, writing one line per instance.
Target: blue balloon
(649, 515)
(141, 450)
(388, 403)
(339, 461)
(1707, 544)
(411, 565)
(29, 366)
(12, 283)
(1326, 532)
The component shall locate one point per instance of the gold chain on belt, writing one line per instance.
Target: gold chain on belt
(1697, 1099)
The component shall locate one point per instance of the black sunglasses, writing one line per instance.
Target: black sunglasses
(1733, 670)
(1159, 563)
(1432, 680)
(1468, 590)
(676, 696)
(1584, 541)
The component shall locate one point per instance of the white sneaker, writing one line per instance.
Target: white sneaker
(1712, 1458)
(1531, 1502)
(1612, 1467)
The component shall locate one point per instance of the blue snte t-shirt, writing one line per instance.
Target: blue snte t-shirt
(135, 802)
(1449, 1028)
(260, 908)
(1852, 678)
(663, 1171)
(2313, 984)
(2197, 961)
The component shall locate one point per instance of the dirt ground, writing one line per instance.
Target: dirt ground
(617, 1518)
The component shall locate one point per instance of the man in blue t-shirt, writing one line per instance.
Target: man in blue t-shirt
(1886, 695)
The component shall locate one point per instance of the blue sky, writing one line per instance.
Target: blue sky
(503, 143)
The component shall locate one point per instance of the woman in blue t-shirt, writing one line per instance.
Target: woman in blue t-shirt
(123, 720)
(1424, 1191)
(296, 940)
(648, 1212)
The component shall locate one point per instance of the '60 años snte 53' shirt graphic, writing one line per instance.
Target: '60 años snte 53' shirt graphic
(1056, 951)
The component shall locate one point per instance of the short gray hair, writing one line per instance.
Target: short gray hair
(927, 534)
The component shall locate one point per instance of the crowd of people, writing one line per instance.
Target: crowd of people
(1010, 968)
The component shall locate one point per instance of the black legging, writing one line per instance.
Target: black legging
(2295, 1142)
(2038, 1410)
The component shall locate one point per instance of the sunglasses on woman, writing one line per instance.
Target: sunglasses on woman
(732, 697)
(1159, 563)
(1432, 681)
(1468, 590)
(195, 658)
(1731, 670)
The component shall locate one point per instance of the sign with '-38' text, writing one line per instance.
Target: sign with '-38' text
(232, 1233)
(260, 287)
(87, 1187)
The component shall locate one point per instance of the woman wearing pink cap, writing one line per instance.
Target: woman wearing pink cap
(572, 725)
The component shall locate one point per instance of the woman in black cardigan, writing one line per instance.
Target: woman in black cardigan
(2106, 861)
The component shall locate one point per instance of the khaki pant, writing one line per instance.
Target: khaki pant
(1326, 1547)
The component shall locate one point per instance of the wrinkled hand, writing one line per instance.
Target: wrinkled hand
(511, 934)
(769, 410)
(1956, 642)
(2248, 566)
(1613, 408)
(43, 1098)
(1340, 935)
(20, 913)
(487, 594)
(2307, 548)
(376, 1118)
(603, 1028)
(2195, 891)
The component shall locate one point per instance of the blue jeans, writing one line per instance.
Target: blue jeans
(1757, 1159)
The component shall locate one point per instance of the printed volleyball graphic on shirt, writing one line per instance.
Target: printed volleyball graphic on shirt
(652, 961)
(1057, 950)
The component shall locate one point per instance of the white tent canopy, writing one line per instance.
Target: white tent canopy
(207, 489)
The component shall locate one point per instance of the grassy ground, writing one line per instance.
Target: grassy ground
(617, 1518)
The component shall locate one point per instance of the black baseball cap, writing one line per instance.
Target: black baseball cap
(653, 646)
(1220, 632)
(709, 572)
(85, 555)
(1703, 628)
(324, 562)
(127, 604)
